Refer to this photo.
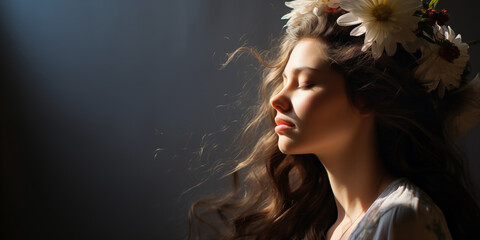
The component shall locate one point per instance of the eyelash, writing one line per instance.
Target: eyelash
(307, 86)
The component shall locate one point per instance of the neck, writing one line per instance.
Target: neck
(356, 176)
(355, 190)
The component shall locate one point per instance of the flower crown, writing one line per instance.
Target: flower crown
(415, 24)
(409, 22)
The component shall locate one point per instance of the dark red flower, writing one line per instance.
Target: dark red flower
(431, 15)
(443, 17)
(440, 18)
(331, 10)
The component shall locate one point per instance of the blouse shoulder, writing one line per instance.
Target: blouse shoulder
(403, 211)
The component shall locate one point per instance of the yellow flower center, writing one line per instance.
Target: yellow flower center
(382, 12)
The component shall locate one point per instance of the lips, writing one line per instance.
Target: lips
(283, 126)
(280, 121)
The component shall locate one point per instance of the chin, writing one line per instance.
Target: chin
(283, 150)
(288, 148)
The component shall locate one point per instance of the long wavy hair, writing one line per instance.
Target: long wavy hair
(278, 196)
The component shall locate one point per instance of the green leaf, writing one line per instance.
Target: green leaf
(473, 42)
(433, 3)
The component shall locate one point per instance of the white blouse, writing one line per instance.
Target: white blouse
(402, 211)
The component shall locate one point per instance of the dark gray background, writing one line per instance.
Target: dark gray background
(91, 88)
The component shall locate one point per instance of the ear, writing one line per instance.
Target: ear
(363, 109)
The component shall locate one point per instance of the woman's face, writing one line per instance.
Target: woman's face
(313, 112)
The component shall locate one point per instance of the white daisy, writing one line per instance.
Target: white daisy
(442, 65)
(302, 7)
(384, 22)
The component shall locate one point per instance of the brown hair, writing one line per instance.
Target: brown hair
(278, 196)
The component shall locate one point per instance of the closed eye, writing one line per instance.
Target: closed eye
(307, 86)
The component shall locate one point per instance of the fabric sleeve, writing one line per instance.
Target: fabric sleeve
(402, 222)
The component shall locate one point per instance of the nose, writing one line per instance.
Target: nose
(280, 101)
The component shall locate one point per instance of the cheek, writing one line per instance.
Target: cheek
(325, 115)
(321, 106)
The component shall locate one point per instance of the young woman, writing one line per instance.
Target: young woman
(354, 133)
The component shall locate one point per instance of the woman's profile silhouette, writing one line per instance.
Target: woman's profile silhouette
(354, 135)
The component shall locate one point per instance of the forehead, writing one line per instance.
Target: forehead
(308, 53)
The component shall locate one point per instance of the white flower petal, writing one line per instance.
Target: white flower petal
(390, 48)
(286, 16)
(349, 5)
(433, 68)
(377, 50)
(366, 46)
(371, 35)
(359, 30)
(302, 7)
(348, 19)
(384, 33)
